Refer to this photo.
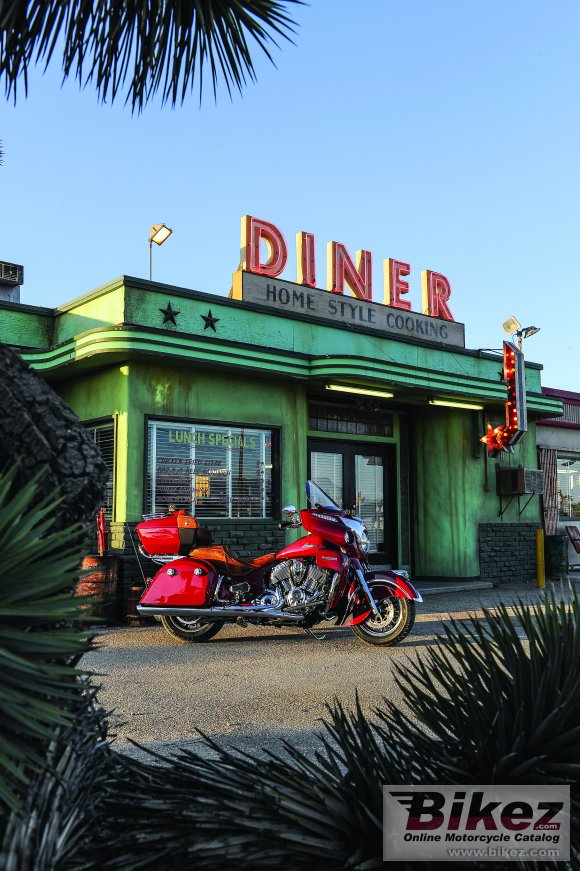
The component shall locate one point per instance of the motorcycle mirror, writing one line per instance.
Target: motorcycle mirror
(289, 510)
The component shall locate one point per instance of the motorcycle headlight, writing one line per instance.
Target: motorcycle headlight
(363, 541)
(358, 529)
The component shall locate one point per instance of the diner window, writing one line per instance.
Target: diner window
(212, 471)
(103, 436)
(348, 420)
(568, 485)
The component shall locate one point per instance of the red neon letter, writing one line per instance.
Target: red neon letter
(395, 287)
(340, 270)
(305, 259)
(253, 231)
(436, 291)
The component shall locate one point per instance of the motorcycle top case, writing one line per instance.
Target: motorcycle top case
(175, 534)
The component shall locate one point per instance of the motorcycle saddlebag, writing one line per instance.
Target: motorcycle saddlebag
(174, 534)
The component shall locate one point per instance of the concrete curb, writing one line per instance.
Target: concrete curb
(432, 588)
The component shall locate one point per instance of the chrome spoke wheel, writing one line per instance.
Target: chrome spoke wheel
(394, 622)
(190, 628)
(392, 614)
(194, 623)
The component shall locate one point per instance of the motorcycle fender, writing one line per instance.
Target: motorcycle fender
(330, 559)
(382, 585)
(403, 589)
(186, 582)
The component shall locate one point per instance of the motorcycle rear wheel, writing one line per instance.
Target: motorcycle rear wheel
(190, 630)
(397, 619)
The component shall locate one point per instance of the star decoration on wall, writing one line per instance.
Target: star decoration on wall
(169, 314)
(210, 321)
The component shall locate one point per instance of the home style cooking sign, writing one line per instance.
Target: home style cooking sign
(258, 282)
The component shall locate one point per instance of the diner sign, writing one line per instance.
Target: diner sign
(258, 280)
(313, 303)
(341, 272)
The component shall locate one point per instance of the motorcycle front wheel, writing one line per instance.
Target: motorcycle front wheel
(191, 629)
(395, 623)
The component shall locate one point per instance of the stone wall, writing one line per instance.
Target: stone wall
(507, 552)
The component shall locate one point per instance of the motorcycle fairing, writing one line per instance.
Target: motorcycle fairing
(186, 582)
(331, 559)
(305, 546)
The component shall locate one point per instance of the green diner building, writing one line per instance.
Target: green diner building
(226, 405)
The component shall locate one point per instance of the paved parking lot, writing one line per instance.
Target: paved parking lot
(251, 687)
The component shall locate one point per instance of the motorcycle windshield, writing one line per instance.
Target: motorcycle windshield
(318, 498)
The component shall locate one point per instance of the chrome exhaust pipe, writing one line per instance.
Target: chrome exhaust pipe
(210, 614)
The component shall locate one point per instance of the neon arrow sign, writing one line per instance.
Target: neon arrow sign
(504, 437)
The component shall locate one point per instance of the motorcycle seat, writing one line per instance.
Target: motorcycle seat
(227, 562)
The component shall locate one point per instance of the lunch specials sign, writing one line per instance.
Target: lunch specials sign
(258, 282)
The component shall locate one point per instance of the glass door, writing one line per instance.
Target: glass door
(369, 482)
(362, 479)
(326, 469)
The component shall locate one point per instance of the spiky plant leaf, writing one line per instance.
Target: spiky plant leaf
(215, 813)
(62, 800)
(164, 46)
(38, 643)
(501, 695)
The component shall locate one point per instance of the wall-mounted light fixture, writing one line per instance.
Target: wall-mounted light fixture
(450, 403)
(158, 234)
(384, 394)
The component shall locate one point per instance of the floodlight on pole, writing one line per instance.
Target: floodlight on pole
(513, 327)
(158, 234)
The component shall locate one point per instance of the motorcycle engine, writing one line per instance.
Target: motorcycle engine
(296, 582)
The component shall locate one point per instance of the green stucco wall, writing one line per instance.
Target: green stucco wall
(96, 311)
(190, 394)
(26, 326)
(134, 390)
(456, 490)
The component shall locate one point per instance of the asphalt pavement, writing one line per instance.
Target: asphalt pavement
(253, 688)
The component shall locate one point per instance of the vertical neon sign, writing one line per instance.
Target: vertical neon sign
(504, 437)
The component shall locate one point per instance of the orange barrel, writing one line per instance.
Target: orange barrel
(99, 579)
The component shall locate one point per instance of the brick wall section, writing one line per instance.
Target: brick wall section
(507, 552)
(247, 538)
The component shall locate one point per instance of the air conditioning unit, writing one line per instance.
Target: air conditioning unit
(11, 274)
(11, 277)
(519, 481)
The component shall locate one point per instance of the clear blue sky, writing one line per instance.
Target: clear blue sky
(445, 134)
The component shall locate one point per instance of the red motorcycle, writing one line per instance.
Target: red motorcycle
(321, 577)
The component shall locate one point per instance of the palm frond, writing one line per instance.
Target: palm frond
(154, 46)
(39, 645)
